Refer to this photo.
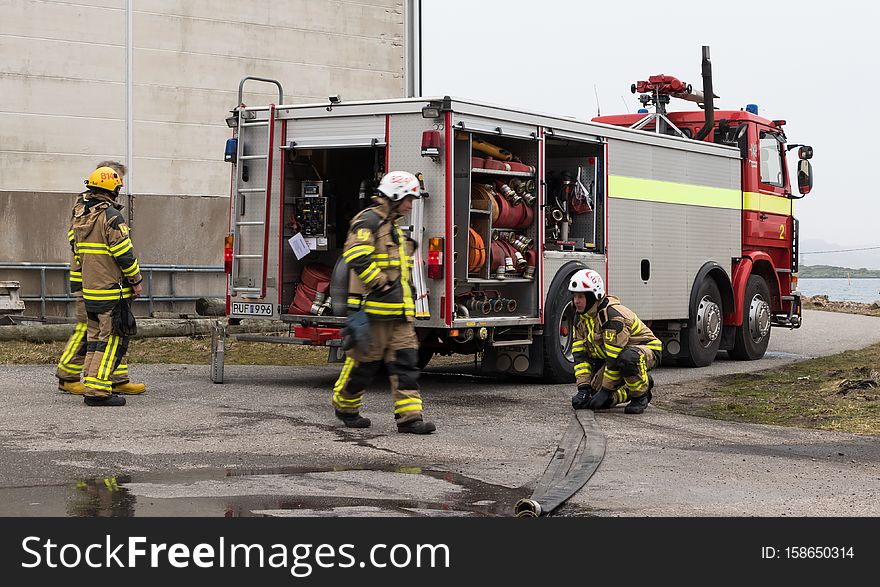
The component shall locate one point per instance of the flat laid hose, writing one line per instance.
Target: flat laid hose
(577, 457)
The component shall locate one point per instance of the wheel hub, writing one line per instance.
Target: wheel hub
(708, 321)
(759, 318)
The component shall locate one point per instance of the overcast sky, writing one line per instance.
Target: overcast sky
(813, 64)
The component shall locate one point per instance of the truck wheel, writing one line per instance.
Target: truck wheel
(702, 340)
(751, 339)
(425, 356)
(559, 322)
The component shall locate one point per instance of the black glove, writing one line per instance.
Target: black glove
(602, 400)
(581, 399)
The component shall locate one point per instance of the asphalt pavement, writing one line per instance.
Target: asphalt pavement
(265, 443)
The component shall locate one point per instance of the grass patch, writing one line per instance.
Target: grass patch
(839, 392)
(185, 350)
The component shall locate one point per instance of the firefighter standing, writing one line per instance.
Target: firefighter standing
(379, 258)
(613, 350)
(110, 278)
(70, 365)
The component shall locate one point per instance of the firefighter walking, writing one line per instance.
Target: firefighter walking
(110, 278)
(70, 364)
(613, 350)
(379, 258)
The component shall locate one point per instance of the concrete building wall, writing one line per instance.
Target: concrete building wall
(62, 78)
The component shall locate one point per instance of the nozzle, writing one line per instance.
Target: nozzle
(527, 508)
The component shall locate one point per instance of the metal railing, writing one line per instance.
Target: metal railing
(146, 270)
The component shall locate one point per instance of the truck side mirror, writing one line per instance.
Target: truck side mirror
(742, 140)
(805, 152)
(805, 176)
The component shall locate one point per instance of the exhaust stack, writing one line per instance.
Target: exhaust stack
(708, 97)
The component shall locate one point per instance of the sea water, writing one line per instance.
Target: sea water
(865, 290)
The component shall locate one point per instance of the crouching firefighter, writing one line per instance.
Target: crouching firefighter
(613, 350)
(381, 309)
(110, 278)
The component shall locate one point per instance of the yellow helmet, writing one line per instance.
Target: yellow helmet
(105, 178)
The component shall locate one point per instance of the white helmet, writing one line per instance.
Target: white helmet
(396, 185)
(587, 281)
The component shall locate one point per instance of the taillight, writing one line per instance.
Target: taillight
(794, 282)
(435, 258)
(227, 253)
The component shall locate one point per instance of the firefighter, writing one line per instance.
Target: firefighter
(613, 350)
(70, 365)
(379, 258)
(110, 278)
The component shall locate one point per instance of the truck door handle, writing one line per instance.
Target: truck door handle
(763, 216)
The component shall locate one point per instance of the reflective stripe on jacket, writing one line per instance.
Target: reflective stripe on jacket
(378, 253)
(106, 254)
(603, 332)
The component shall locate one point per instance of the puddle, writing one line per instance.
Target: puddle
(285, 491)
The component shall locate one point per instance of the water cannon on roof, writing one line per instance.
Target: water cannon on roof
(659, 89)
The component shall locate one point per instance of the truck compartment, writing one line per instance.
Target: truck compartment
(575, 183)
(323, 190)
(496, 228)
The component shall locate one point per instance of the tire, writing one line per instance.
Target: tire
(702, 340)
(752, 337)
(425, 356)
(559, 314)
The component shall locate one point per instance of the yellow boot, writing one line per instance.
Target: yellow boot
(74, 387)
(130, 388)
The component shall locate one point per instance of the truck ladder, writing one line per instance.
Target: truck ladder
(248, 244)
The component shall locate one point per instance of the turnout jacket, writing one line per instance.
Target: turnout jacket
(378, 254)
(100, 239)
(601, 333)
(76, 278)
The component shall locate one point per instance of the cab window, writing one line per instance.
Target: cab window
(770, 160)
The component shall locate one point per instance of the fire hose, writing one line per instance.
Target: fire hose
(577, 457)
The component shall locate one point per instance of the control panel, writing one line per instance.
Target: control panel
(310, 211)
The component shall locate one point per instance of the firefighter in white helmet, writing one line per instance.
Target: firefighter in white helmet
(613, 350)
(380, 260)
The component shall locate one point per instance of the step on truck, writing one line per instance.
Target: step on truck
(688, 216)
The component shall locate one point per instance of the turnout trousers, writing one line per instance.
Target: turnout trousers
(70, 366)
(105, 353)
(394, 344)
(631, 379)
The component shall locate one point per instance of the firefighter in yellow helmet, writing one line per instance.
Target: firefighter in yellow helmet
(110, 279)
(379, 259)
(70, 364)
(613, 350)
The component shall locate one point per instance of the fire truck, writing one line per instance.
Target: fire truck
(688, 216)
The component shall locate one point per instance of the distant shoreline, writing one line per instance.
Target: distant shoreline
(831, 272)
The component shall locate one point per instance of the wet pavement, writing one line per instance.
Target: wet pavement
(393, 492)
(266, 443)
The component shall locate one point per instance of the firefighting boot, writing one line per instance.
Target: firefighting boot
(112, 400)
(638, 405)
(74, 387)
(129, 388)
(416, 427)
(353, 420)
(602, 400)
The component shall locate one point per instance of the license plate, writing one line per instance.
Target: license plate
(248, 309)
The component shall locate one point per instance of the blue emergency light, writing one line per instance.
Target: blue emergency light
(752, 109)
(643, 111)
(231, 153)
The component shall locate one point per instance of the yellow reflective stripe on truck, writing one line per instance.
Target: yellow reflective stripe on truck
(652, 190)
(767, 203)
